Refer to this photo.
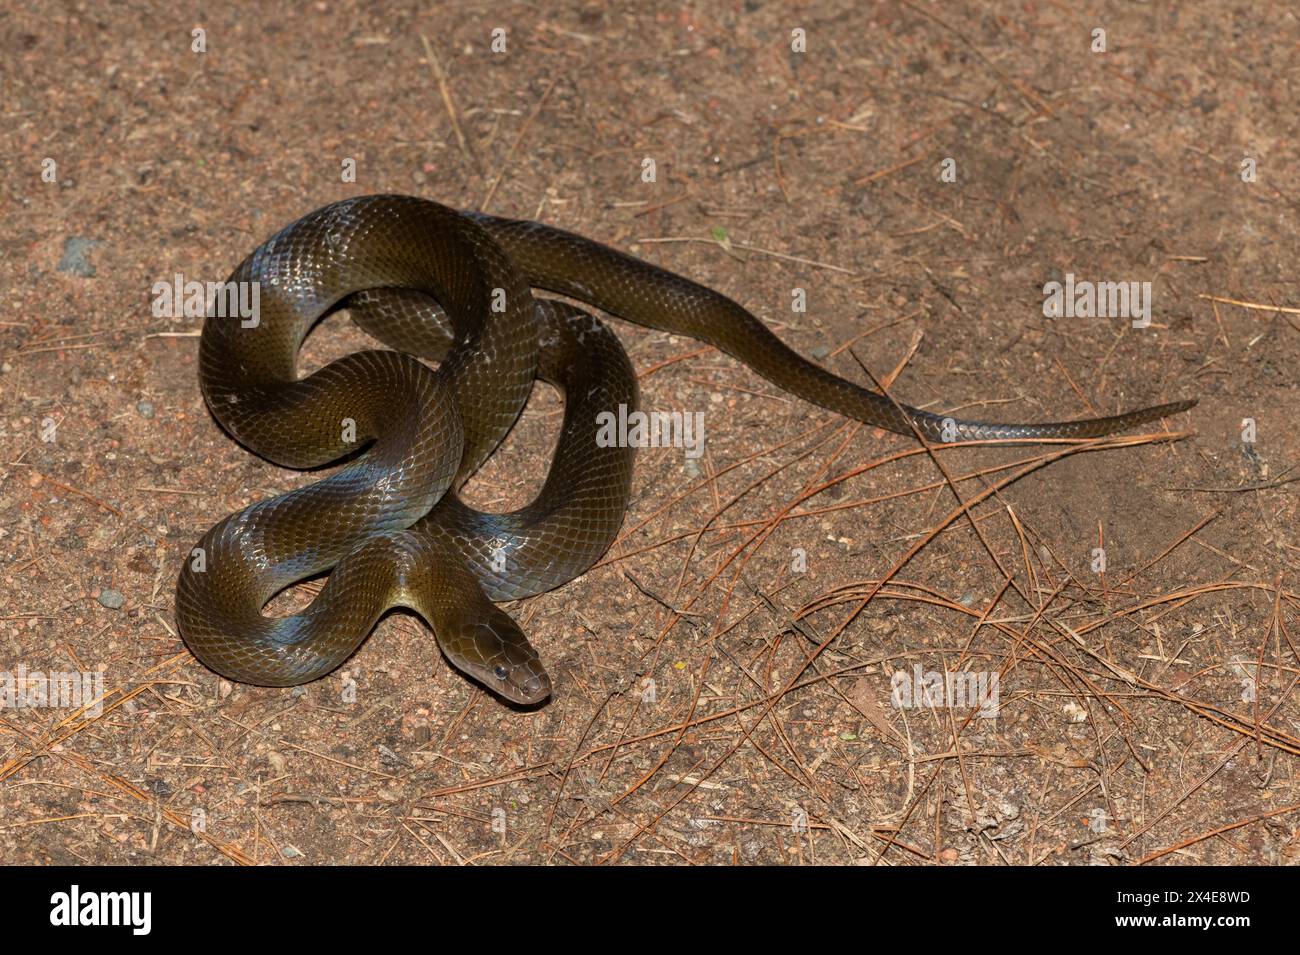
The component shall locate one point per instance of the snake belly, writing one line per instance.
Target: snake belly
(436, 284)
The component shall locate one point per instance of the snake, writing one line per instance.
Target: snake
(450, 295)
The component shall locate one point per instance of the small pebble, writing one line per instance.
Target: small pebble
(820, 352)
(74, 260)
(111, 599)
(289, 852)
(145, 408)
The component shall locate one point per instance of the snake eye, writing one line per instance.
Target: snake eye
(501, 672)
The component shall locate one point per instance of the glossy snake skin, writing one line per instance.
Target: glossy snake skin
(388, 523)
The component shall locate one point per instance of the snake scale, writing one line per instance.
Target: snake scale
(436, 284)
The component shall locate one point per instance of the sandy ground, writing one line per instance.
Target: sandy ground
(1146, 714)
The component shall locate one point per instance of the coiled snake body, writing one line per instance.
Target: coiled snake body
(389, 523)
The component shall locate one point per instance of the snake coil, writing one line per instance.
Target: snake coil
(433, 283)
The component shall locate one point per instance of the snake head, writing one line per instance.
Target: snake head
(495, 652)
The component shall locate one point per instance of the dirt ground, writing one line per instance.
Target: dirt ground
(732, 681)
